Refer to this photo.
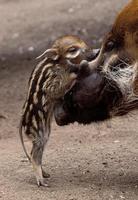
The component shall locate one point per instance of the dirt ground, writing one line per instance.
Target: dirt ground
(95, 162)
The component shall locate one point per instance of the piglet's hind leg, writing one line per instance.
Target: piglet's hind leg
(36, 158)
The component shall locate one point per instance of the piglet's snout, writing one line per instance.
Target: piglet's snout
(74, 69)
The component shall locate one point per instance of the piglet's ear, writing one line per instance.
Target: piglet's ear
(49, 53)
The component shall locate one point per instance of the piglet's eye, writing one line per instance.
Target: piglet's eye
(110, 46)
(72, 50)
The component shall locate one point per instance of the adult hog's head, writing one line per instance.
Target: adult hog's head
(118, 59)
(111, 87)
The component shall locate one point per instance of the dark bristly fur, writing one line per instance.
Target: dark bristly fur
(117, 65)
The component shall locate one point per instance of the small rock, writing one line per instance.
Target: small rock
(122, 197)
(135, 159)
(31, 49)
(116, 141)
(105, 164)
(85, 172)
(121, 173)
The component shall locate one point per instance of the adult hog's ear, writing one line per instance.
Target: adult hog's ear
(49, 53)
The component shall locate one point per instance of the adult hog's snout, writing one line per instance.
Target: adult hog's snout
(91, 54)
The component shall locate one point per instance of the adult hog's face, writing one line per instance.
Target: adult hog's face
(122, 41)
(118, 59)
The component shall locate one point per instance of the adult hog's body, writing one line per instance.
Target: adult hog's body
(111, 87)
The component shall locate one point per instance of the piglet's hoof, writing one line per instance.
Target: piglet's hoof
(45, 175)
(42, 182)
